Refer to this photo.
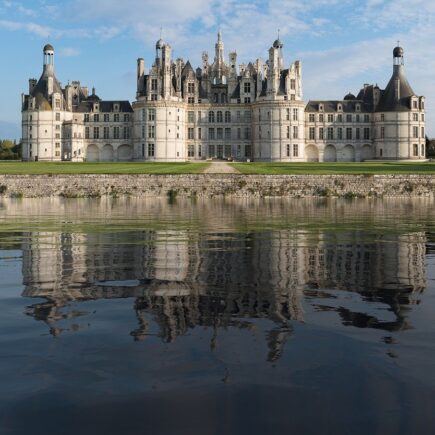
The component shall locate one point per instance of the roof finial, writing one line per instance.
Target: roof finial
(278, 34)
(161, 31)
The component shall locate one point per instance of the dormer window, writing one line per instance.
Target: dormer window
(339, 107)
(116, 107)
(358, 108)
(191, 88)
(321, 107)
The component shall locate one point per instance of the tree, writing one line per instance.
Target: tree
(430, 147)
(9, 150)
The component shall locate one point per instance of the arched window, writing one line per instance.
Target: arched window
(210, 116)
(219, 116)
(227, 116)
(415, 150)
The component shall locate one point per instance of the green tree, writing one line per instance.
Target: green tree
(430, 147)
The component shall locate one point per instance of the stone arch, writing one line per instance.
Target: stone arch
(330, 154)
(92, 153)
(366, 152)
(348, 154)
(311, 153)
(125, 152)
(107, 153)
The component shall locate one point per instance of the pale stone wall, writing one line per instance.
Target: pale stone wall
(218, 184)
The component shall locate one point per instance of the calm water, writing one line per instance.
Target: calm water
(217, 317)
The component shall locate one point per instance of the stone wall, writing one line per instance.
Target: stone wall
(73, 186)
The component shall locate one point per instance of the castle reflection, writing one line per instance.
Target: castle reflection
(186, 278)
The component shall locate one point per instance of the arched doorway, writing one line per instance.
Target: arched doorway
(330, 154)
(107, 153)
(125, 153)
(366, 152)
(92, 153)
(311, 153)
(348, 154)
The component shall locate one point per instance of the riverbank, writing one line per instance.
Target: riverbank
(210, 185)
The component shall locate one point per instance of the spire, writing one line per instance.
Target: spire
(219, 49)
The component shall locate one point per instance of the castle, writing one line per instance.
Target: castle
(221, 110)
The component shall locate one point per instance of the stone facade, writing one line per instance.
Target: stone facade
(221, 110)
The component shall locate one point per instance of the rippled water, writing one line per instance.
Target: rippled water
(217, 317)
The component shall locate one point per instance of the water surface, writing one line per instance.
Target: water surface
(149, 316)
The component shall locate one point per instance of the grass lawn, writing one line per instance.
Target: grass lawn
(31, 168)
(336, 168)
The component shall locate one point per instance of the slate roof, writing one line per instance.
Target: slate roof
(105, 106)
(331, 106)
(388, 101)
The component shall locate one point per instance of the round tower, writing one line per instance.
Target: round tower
(399, 127)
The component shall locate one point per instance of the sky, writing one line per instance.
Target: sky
(342, 44)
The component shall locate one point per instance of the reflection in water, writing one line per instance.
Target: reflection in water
(226, 277)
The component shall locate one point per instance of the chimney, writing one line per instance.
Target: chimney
(32, 84)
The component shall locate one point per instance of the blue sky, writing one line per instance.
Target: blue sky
(341, 43)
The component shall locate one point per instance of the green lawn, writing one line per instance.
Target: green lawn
(100, 168)
(368, 168)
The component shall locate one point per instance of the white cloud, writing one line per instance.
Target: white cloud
(36, 29)
(68, 52)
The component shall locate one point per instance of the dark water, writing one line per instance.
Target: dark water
(217, 317)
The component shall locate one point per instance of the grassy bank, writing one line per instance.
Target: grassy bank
(369, 168)
(33, 168)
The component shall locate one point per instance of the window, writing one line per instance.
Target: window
(330, 133)
(247, 115)
(321, 117)
(339, 133)
(366, 118)
(191, 151)
(247, 133)
(219, 133)
(311, 117)
(295, 132)
(57, 103)
(116, 117)
(288, 150)
(126, 117)
(348, 133)
(57, 145)
(126, 133)
(247, 87)
(357, 118)
(311, 133)
(381, 152)
(86, 132)
(211, 133)
(57, 116)
(115, 132)
(219, 116)
(321, 137)
(151, 131)
(199, 116)
(143, 132)
(228, 134)
(295, 114)
(247, 151)
(57, 153)
(422, 150)
(357, 134)
(191, 116)
(143, 150)
(330, 117)
(210, 116)
(211, 151)
(143, 119)
(292, 84)
(106, 132)
(96, 118)
(96, 133)
(367, 133)
(191, 100)
(415, 132)
(190, 133)
(295, 150)
(422, 132)
(57, 127)
(239, 133)
(228, 151)
(227, 116)
(153, 97)
(422, 117)
(86, 117)
(339, 117)
(348, 118)
(151, 114)
(288, 132)
(414, 104)
(247, 100)
(238, 116)
(199, 150)
(415, 116)
(382, 135)
(415, 150)
(106, 117)
(154, 84)
(191, 88)
(151, 150)
(199, 133)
